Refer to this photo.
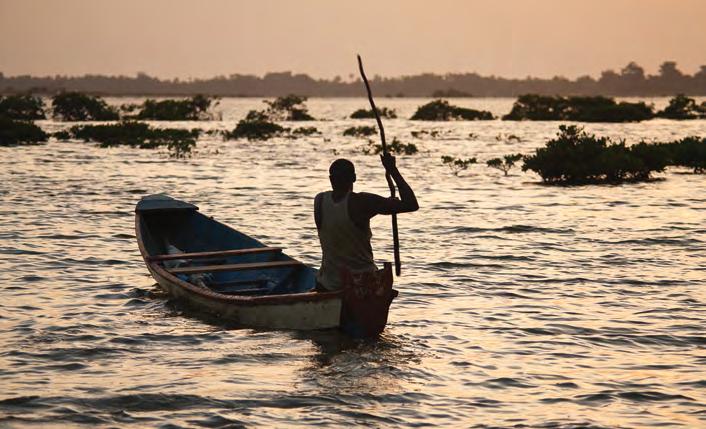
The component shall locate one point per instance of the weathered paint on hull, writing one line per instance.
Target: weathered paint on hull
(304, 315)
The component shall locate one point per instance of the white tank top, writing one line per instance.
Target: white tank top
(344, 245)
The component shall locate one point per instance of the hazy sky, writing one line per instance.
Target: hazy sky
(513, 38)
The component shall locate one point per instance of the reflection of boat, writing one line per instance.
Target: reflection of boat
(217, 269)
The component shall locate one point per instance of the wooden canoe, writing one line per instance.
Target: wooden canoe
(214, 268)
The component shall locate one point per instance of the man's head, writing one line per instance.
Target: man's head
(342, 174)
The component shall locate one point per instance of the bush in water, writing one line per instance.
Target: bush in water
(441, 110)
(363, 131)
(534, 107)
(683, 107)
(304, 132)
(255, 126)
(395, 147)
(75, 106)
(179, 142)
(457, 165)
(22, 107)
(16, 133)
(688, 152)
(505, 163)
(575, 157)
(288, 108)
(189, 109)
(368, 114)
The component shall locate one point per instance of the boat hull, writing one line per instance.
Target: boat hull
(249, 283)
(283, 313)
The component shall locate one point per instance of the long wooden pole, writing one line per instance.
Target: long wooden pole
(390, 183)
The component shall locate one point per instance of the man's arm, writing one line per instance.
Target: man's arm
(407, 198)
(372, 204)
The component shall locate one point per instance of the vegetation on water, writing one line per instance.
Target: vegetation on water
(576, 157)
(304, 132)
(533, 107)
(257, 126)
(75, 106)
(457, 165)
(362, 131)
(683, 107)
(688, 152)
(195, 108)
(288, 108)
(22, 107)
(179, 142)
(441, 110)
(384, 113)
(18, 132)
(430, 134)
(505, 163)
(260, 124)
(395, 147)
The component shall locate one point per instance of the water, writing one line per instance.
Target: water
(520, 304)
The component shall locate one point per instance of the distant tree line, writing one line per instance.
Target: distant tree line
(631, 80)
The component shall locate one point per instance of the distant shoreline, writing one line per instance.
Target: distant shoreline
(630, 81)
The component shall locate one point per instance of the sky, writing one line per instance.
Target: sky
(205, 38)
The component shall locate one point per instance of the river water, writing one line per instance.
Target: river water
(521, 305)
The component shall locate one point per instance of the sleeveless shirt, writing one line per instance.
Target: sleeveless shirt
(344, 245)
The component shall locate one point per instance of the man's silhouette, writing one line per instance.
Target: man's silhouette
(343, 221)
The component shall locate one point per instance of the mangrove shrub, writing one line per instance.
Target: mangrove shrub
(395, 147)
(22, 107)
(441, 110)
(138, 134)
(688, 152)
(16, 133)
(683, 107)
(575, 157)
(457, 165)
(255, 126)
(505, 163)
(189, 109)
(534, 107)
(368, 114)
(288, 108)
(75, 106)
(362, 131)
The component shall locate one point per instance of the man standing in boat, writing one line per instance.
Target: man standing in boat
(343, 221)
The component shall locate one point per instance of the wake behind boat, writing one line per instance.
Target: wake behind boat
(214, 268)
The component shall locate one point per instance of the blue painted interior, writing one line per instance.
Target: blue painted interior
(191, 231)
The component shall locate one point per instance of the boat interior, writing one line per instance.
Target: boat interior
(209, 254)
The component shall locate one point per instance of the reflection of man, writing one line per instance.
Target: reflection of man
(343, 221)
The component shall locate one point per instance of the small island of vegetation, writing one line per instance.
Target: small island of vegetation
(576, 157)
(533, 107)
(179, 142)
(195, 108)
(682, 107)
(441, 110)
(22, 106)
(384, 113)
(362, 131)
(75, 106)
(18, 132)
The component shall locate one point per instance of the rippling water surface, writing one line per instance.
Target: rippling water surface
(520, 304)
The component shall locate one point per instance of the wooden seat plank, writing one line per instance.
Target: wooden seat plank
(214, 254)
(235, 267)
